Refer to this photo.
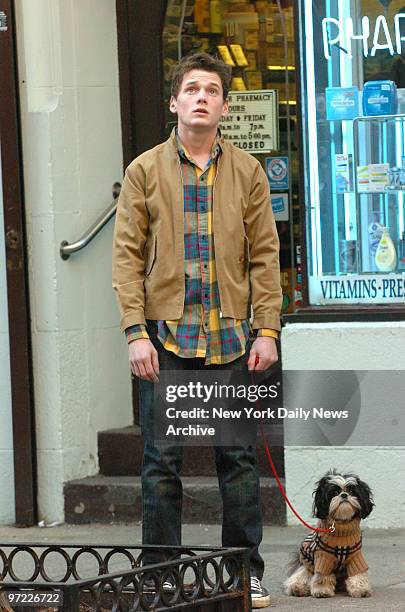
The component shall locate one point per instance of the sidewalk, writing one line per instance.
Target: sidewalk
(384, 551)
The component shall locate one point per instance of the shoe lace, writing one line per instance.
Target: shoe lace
(255, 583)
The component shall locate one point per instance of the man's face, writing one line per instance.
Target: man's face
(199, 104)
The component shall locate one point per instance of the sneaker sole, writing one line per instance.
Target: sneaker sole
(263, 602)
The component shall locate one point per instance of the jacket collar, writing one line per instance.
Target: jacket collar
(172, 140)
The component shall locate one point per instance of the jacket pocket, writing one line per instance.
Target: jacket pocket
(151, 256)
(243, 258)
(246, 252)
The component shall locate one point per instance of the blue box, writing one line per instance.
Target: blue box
(342, 103)
(380, 98)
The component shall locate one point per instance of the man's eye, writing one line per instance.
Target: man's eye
(213, 91)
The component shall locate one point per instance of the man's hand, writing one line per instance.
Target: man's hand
(262, 354)
(143, 358)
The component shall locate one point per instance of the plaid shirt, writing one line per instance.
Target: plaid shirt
(201, 331)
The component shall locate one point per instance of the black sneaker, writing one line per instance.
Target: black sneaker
(169, 585)
(259, 595)
(149, 586)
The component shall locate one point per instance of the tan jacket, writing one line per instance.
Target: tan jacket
(148, 251)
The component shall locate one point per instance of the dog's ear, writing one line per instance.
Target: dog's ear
(320, 508)
(365, 498)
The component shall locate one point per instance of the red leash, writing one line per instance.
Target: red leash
(330, 529)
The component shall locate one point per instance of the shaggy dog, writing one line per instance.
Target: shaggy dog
(327, 560)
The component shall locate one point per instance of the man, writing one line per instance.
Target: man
(195, 243)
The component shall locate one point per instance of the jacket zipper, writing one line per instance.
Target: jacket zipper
(182, 196)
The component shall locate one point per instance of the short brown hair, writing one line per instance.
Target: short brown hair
(201, 61)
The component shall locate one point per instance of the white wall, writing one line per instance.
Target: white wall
(347, 346)
(72, 155)
(7, 507)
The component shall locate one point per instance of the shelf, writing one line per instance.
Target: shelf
(368, 119)
(379, 118)
(385, 192)
(346, 313)
(280, 68)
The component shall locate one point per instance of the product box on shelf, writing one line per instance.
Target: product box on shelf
(342, 103)
(344, 172)
(380, 98)
(372, 177)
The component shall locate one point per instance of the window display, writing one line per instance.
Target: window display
(255, 38)
(353, 84)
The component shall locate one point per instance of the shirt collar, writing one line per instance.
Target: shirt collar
(215, 150)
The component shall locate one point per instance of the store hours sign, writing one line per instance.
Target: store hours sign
(252, 122)
(357, 289)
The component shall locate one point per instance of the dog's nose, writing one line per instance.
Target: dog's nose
(344, 495)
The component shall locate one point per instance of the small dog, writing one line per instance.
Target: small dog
(327, 560)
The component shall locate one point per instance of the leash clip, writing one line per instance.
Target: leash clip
(332, 528)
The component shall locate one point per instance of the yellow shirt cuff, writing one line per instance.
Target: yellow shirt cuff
(268, 333)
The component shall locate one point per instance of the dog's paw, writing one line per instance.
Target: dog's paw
(297, 590)
(322, 592)
(358, 586)
(323, 586)
(298, 583)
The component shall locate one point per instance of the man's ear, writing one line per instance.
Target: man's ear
(173, 104)
(225, 108)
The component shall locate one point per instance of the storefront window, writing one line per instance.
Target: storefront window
(256, 38)
(353, 80)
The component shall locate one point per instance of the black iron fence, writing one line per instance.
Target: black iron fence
(94, 578)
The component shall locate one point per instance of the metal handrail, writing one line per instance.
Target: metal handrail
(66, 248)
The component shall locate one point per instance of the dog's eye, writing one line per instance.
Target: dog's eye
(335, 490)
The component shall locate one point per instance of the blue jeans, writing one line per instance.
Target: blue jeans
(162, 492)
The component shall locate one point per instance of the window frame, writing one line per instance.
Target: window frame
(311, 313)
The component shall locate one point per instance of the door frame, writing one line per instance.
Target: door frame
(140, 97)
(140, 74)
(22, 396)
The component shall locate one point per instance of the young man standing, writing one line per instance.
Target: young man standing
(195, 244)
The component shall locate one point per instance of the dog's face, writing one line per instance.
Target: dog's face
(342, 497)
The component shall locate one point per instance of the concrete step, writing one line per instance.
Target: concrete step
(117, 499)
(120, 454)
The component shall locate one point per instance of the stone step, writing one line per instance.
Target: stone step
(117, 499)
(120, 454)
